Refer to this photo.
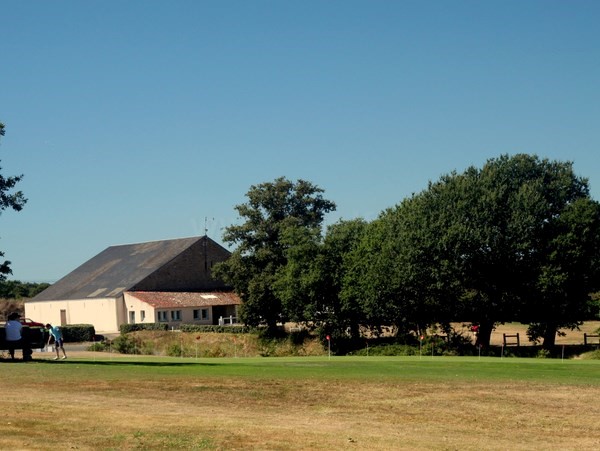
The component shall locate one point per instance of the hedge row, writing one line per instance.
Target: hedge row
(126, 328)
(217, 329)
(76, 333)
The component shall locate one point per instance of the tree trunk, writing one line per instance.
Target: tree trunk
(484, 334)
(549, 336)
(271, 327)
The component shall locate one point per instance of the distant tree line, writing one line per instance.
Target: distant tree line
(15, 289)
(13, 293)
(515, 240)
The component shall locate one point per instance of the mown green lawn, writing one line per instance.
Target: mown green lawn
(424, 369)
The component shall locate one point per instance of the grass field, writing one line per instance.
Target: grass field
(100, 401)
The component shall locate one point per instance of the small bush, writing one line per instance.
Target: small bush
(434, 345)
(98, 347)
(298, 338)
(174, 350)
(126, 344)
(126, 328)
(388, 350)
(543, 354)
(592, 355)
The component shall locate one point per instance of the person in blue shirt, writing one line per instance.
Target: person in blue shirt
(55, 332)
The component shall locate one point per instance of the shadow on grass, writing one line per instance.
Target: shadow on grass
(109, 363)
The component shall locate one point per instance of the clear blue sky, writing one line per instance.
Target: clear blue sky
(134, 121)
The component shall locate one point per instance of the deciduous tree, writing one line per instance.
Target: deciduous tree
(276, 214)
(484, 240)
(9, 199)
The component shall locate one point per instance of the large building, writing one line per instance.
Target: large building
(166, 281)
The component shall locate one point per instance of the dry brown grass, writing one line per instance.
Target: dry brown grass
(209, 344)
(248, 345)
(571, 337)
(166, 411)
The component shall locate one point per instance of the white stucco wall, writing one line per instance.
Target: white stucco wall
(136, 307)
(139, 309)
(101, 312)
(107, 314)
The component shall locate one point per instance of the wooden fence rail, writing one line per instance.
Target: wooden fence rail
(511, 339)
(591, 339)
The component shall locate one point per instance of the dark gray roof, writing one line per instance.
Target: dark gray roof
(117, 269)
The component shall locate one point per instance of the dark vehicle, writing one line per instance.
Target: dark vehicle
(34, 335)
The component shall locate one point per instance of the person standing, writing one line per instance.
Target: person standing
(14, 339)
(56, 333)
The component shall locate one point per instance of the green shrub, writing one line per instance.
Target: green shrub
(147, 348)
(174, 350)
(339, 341)
(434, 345)
(126, 328)
(592, 355)
(268, 346)
(77, 333)
(126, 344)
(298, 338)
(388, 350)
(98, 347)
(543, 354)
(217, 329)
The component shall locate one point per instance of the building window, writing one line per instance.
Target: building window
(131, 317)
(162, 316)
(142, 315)
(201, 314)
(175, 315)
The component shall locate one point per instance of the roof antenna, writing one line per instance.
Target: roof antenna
(205, 242)
(206, 225)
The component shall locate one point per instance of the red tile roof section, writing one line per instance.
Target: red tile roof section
(161, 299)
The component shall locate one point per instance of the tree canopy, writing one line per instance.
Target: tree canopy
(515, 240)
(278, 215)
(488, 245)
(15, 289)
(9, 199)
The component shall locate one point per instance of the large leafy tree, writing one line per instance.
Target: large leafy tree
(299, 283)
(310, 283)
(278, 215)
(481, 239)
(394, 274)
(539, 256)
(370, 282)
(9, 199)
(340, 241)
(568, 272)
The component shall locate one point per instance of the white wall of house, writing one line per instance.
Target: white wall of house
(176, 316)
(138, 312)
(107, 314)
(173, 316)
(101, 312)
